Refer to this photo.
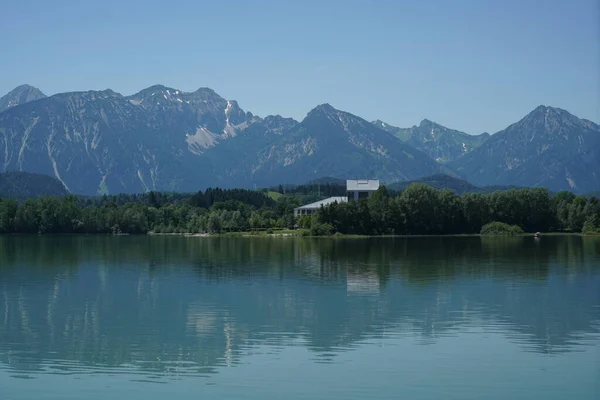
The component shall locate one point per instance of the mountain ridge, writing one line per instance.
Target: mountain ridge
(548, 147)
(162, 138)
(305, 151)
(439, 142)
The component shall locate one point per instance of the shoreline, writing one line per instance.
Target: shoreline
(293, 234)
(298, 234)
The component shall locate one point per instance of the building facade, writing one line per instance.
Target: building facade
(356, 189)
(361, 188)
(309, 209)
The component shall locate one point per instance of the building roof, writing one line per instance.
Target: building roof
(362, 185)
(326, 202)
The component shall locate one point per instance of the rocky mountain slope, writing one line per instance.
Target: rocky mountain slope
(438, 142)
(20, 95)
(93, 142)
(165, 139)
(549, 148)
(328, 142)
(162, 138)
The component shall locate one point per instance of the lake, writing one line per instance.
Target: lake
(91, 317)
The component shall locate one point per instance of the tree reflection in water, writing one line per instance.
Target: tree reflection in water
(189, 305)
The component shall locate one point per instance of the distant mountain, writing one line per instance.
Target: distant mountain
(99, 142)
(548, 148)
(440, 143)
(328, 142)
(20, 95)
(161, 138)
(24, 185)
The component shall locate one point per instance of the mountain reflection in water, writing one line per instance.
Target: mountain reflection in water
(176, 305)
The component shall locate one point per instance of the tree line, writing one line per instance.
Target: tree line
(212, 211)
(418, 209)
(423, 210)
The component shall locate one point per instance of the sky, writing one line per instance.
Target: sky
(471, 65)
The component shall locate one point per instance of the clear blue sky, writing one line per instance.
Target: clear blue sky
(473, 65)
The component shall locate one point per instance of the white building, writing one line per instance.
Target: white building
(309, 209)
(361, 188)
(356, 189)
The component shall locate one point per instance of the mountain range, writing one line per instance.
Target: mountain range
(98, 142)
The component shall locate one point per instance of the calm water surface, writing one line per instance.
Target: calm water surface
(246, 318)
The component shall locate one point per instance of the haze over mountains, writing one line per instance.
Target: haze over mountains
(161, 138)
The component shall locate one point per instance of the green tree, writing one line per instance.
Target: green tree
(419, 203)
(214, 223)
(475, 212)
(319, 228)
(27, 217)
(380, 211)
(576, 213)
(8, 212)
(256, 220)
(591, 226)
(304, 222)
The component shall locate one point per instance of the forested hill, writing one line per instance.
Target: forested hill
(457, 185)
(25, 185)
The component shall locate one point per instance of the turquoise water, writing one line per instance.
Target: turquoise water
(249, 318)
